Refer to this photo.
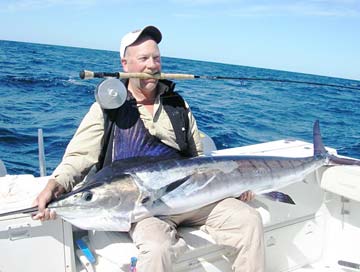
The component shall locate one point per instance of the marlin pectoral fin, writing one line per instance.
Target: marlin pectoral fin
(159, 193)
(168, 188)
(280, 197)
(172, 186)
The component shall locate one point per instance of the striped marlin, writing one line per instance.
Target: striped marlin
(128, 191)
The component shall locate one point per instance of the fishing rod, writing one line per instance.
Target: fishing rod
(85, 74)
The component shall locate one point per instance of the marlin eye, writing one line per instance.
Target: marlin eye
(145, 199)
(87, 196)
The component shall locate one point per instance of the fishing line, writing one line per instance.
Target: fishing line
(85, 74)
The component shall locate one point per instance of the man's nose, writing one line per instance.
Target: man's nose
(151, 63)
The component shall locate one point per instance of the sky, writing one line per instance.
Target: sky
(319, 37)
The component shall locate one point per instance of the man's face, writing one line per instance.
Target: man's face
(143, 56)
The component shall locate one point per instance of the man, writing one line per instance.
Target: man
(158, 116)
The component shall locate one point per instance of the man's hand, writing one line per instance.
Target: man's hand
(247, 196)
(51, 190)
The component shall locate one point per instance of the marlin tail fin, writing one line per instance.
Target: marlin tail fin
(319, 150)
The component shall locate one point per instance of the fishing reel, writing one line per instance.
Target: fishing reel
(111, 93)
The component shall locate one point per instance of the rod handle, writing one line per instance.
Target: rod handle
(86, 74)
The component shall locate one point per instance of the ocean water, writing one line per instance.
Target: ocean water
(40, 88)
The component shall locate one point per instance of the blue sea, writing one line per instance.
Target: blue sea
(40, 88)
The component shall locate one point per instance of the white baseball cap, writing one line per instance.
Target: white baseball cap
(133, 36)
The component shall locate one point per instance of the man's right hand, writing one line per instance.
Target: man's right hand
(51, 190)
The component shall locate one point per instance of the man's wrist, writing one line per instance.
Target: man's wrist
(55, 187)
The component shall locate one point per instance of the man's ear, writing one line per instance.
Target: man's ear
(124, 64)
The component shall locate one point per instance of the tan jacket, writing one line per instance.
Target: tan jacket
(83, 151)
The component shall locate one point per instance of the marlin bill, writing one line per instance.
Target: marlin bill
(130, 190)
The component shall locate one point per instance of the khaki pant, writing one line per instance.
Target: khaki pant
(230, 222)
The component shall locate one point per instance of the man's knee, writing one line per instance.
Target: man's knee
(152, 230)
(242, 214)
(253, 218)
